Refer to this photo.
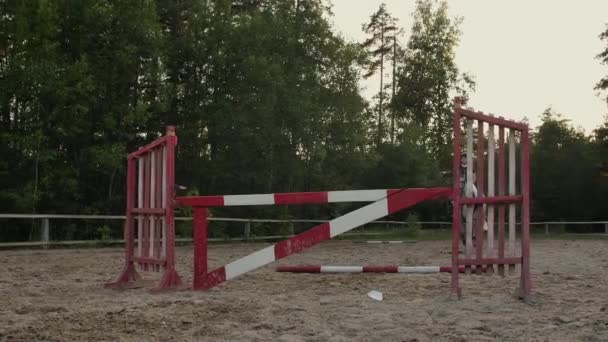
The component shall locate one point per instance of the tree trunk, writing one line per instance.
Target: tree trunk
(393, 94)
(381, 86)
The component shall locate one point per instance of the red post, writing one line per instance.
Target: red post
(526, 283)
(501, 192)
(200, 247)
(145, 239)
(129, 276)
(170, 278)
(456, 199)
(480, 190)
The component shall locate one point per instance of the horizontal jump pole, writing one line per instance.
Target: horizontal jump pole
(320, 197)
(499, 121)
(367, 269)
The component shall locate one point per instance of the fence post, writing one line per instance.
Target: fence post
(291, 228)
(606, 227)
(44, 232)
(247, 230)
(546, 229)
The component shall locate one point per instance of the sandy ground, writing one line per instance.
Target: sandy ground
(57, 295)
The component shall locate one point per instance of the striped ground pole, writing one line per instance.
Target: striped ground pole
(365, 269)
(385, 242)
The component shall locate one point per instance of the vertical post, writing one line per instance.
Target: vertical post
(152, 202)
(456, 199)
(606, 227)
(140, 204)
(491, 193)
(163, 253)
(129, 236)
(547, 229)
(512, 165)
(526, 286)
(468, 187)
(501, 192)
(44, 232)
(145, 249)
(200, 247)
(247, 231)
(480, 191)
(291, 228)
(170, 278)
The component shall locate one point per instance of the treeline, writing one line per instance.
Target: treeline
(265, 95)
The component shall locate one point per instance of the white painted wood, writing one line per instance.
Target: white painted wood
(259, 199)
(341, 269)
(140, 203)
(418, 269)
(469, 192)
(251, 262)
(355, 195)
(358, 217)
(512, 166)
(491, 189)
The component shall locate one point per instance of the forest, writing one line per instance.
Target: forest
(266, 97)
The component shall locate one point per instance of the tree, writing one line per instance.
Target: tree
(429, 77)
(603, 57)
(382, 41)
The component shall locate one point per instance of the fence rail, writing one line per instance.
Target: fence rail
(45, 227)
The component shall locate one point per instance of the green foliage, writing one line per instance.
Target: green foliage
(428, 77)
(104, 233)
(265, 95)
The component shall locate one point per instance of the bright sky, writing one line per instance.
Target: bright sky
(525, 55)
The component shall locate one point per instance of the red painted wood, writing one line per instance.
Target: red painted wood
(145, 149)
(486, 261)
(145, 249)
(200, 246)
(302, 241)
(405, 198)
(212, 279)
(299, 269)
(455, 283)
(491, 200)
(526, 282)
(169, 215)
(158, 202)
(480, 191)
(501, 192)
(300, 197)
(149, 261)
(148, 211)
(492, 119)
(200, 201)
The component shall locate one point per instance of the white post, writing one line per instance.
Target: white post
(247, 231)
(44, 233)
(606, 227)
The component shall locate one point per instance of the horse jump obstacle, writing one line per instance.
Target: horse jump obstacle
(155, 221)
(367, 269)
